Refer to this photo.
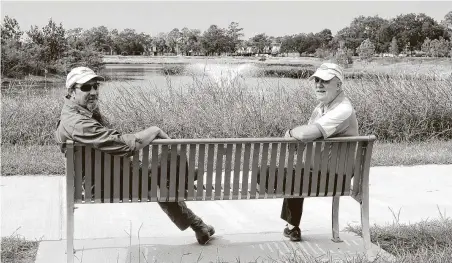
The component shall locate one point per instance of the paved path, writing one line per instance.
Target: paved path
(34, 207)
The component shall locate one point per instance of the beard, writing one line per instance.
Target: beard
(92, 105)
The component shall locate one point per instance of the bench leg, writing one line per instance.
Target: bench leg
(70, 219)
(335, 220)
(70, 234)
(365, 227)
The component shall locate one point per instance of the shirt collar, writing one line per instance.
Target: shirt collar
(339, 97)
(72, 105)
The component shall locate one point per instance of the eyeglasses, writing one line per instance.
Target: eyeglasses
(88, 87)
(319, 80)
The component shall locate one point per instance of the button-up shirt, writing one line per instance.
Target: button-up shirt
(78, 124)
(335, 119)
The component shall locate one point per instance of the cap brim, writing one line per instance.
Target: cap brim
(89, 77)
(322, 75)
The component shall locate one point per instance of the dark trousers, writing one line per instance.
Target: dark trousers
(178, 212)
(292, 208)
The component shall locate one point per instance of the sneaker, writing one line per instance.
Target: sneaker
(294, 234)
(204, 233)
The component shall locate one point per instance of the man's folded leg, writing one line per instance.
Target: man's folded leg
(183, 217)
(291, 212)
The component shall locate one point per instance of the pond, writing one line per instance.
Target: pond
(218, 74)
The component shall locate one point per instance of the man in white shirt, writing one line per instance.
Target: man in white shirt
(334, 116)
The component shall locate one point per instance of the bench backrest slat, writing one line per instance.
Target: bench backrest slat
(97, 176)
(209, 175)
(224, 171)
(281, 165)
(272, 169)
(307, 169)
(126, 194)
(154, 173)
(351, 154)
(88, 174)
(254, 169)
(339, 184)
(136, 177)
(117, 178)
(200, 174)
(290, 162)
(315, 177)
(219, 171)
(331, 169)
(227, 173)
(298, 167)
(191, 173)
(245, 169)
(78, 172)
(237, 162)
(262, 170)
(323, 183)
(145, 174)
(358, 167)
(172, 173)
(164, 173)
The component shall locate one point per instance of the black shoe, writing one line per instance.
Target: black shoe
(203, 233)
(294, 234)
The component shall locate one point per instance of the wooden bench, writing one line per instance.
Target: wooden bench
(226, 169)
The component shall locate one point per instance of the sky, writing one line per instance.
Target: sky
(274, 18)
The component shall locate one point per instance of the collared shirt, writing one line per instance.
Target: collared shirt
(78, 124)
(335, 119)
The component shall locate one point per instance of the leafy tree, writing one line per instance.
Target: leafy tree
(10, 30)
(447, 22)
(234, 33)
(324, 37)
(412, 29)
(190, 41)
(213, 40)
(160, 43)
(260, 42)
(301, 43)
(173, 40)
(394, 49)
(287, 44)
(366, 50)
(362, 28)
(343, 55)
(100, 38)
(11, 47)
(439, 47)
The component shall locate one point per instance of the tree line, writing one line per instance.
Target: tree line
(55, 49)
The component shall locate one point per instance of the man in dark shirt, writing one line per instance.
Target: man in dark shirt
(82, 122)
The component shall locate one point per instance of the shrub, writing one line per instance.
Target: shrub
(366, 50)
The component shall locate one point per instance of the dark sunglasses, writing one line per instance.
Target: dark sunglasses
(88, 87)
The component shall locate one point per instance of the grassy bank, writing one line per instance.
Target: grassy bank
(394, 109)
(47, 159)
(15, 249)
(428, 241)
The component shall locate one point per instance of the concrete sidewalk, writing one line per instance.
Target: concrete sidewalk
(34, 207)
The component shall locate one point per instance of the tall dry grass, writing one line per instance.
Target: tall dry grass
(394, 108)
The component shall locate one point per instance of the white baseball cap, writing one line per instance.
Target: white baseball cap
(80, 75)
(327, 71)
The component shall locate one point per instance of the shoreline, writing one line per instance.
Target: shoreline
(289, 67)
